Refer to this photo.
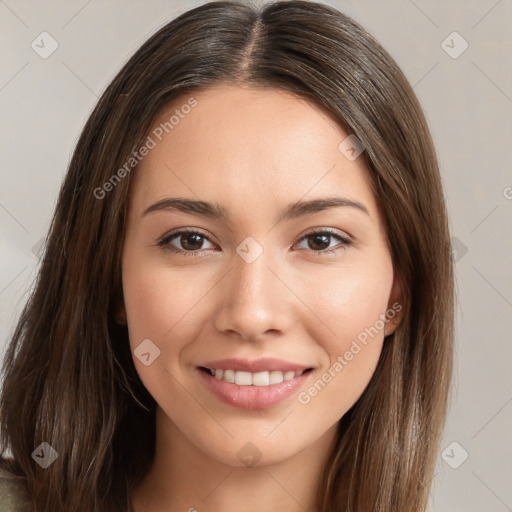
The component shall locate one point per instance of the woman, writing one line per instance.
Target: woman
(246, 297)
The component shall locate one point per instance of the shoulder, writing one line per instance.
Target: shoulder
(13, 491)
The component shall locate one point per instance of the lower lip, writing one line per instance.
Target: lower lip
(252, 397)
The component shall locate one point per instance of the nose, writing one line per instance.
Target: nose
(254, 300)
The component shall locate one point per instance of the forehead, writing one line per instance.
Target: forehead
(243, 146)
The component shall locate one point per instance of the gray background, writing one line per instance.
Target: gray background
(44, 103)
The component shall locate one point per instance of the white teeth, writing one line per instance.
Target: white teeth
(229, 375)
(260, 379)
(254, 379)
(276, 377)
(243, 378)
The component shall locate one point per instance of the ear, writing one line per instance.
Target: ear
(396, 306)
(120, 313)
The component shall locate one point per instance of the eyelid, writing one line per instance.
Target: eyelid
(332, 231)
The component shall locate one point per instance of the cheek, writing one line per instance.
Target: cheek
(348, 299)
(158, 300)
(146, 302)
(163, 305)
(159, 305)
(349, 310)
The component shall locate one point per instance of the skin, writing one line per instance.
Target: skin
(253, 151)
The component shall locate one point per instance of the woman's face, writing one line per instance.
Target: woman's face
(253, 292)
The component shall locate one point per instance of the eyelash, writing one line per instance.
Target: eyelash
(163, 243)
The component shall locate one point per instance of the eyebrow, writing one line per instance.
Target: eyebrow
(217, 212)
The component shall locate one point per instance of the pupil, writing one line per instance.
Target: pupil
(189, 237)
(325, 241)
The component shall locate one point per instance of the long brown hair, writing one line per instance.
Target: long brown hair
(68, 375)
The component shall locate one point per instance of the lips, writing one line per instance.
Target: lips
(257, 384)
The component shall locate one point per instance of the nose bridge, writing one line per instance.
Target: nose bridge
(254, 300)
(252, 273)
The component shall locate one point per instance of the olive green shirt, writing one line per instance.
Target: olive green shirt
(13, 493)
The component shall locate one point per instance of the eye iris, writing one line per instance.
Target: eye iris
(324, 240)
(188, 237)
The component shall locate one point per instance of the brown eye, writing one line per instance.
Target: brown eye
(319, 241)
(191, 241)
(188, 241)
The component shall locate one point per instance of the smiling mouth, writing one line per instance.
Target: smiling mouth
(261, 379)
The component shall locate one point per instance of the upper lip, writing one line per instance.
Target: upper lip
(254, 366)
